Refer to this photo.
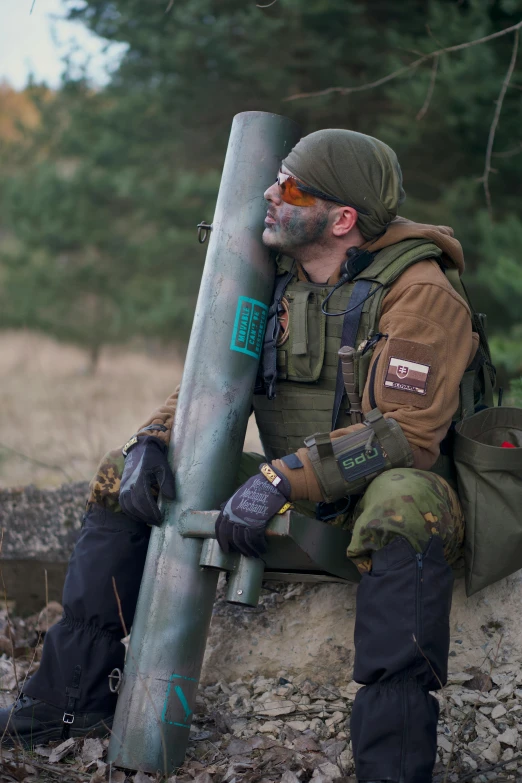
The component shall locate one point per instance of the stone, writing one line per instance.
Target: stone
(444, 743)
(498, 711)
(472, 764)
(92, 749)
(508, 754)
(289, 777)
(456, 699)
(43, 750)
(298, 725)
(473, 698)
(241, 747)
(273, 708)
(508, 737)
(492, 754)
(483, 722)
(306, 744)
(336, 718)
(141, 777)
(326, 773)
(458, 678)
(506, 691)
(269, 727)
(203, 777)
(334, 750)
(350, 691)
(345, 759)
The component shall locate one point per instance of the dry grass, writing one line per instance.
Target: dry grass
(52, 411)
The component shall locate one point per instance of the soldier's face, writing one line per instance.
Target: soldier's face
(289, 227)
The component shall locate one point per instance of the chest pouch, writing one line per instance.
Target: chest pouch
(301, 357)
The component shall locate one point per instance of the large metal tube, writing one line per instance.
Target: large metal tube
(167, 644)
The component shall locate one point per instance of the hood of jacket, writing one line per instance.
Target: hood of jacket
(401, 228)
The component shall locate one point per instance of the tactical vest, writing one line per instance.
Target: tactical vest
(307, 354)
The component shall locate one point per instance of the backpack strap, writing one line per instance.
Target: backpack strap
(480, 376)
(267, 375)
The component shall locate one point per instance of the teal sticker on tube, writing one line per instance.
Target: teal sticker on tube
(181, 692)
(249, 327)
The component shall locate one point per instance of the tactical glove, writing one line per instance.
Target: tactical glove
(241, 525)
(146, 474)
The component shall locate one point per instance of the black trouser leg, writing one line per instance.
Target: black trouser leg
(401, 653)
(81, 650)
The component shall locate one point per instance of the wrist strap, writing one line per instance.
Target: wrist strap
(275, 479)
(132, 441)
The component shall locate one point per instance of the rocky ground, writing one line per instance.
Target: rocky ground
(284, 728)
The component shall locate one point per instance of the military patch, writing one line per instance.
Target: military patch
(407, 376)
(284, 320)
(358, 462)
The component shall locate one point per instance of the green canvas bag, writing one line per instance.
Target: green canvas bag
(490, 490)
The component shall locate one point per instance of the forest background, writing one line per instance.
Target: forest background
(101, 188)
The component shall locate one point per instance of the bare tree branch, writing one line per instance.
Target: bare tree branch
(494, 124)
(268, 5)
(36, 461)
(120, 612)
(509, 153)
(435, 67)
(405, 68)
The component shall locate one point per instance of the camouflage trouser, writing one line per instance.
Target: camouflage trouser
(415, 504)
(404, 502)
(104, 488)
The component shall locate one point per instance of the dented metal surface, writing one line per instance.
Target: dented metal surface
(168, 638)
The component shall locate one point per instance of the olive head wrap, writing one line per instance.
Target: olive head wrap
(359, 170)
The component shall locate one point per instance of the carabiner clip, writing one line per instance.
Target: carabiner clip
(203, 231)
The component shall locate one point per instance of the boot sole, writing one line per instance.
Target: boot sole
(44, 736)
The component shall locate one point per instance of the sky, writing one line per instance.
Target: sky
(35, 43)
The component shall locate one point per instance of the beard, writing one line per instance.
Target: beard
(295, 227)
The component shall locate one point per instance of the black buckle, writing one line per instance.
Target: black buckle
(324, 512)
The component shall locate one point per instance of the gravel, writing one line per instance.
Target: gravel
(283, 729)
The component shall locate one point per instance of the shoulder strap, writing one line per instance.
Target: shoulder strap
(386, 267)
(482, 366)
(268, 368)
(351, 323)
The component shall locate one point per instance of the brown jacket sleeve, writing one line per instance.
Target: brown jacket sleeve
(163, 415)
(427, 323)
(104, 487)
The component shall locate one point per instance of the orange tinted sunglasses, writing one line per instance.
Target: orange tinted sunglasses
(294, 192)
(300, 195)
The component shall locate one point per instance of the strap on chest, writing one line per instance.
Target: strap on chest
(351, 323)
(273, 327)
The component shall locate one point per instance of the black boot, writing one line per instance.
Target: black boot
(401, 653)
(30, 722)
(79, 652)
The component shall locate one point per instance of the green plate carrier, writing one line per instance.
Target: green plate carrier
(307, 361)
